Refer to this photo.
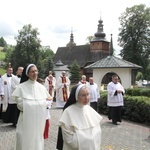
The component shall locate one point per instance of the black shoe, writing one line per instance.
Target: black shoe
(14, 125)
(115, 123)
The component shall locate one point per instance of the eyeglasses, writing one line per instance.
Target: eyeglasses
(34, 71)
(115, 79)
(84, 95)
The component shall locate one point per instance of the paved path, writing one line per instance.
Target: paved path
(126, 136)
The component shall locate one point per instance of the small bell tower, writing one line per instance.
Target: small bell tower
(71, 42)
(99, 43)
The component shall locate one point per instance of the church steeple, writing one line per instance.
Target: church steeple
(99, 42)
(100, 35)
(111, 49)
(71, 42)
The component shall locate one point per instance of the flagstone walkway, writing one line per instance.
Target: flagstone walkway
(126, 136)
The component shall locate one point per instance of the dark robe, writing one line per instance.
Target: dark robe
(115, 113)
(12, 114)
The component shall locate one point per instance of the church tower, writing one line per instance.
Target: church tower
(71, 42)
(111, 49)
(99, 43)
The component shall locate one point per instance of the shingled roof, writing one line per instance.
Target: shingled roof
(112, 62)
(81, 54)
(84, 54)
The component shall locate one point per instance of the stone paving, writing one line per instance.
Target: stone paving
(126, 136)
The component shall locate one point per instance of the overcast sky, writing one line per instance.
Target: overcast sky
(55, 19)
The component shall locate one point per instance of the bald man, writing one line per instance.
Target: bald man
(83, 80)
(62, 90)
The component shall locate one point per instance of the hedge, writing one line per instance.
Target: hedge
(136, 108)
(138, 92)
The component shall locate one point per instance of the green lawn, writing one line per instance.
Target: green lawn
(2, 71)
(2, 55)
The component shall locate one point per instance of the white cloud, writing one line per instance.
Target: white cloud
(55, 18)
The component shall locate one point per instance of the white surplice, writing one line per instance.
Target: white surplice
(7, 90)
(31, 100)
(115, 100)
(15, 81)
(1, 89)
(94, 92)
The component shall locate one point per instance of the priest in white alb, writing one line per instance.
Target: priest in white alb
(115, 99)
(6, 79)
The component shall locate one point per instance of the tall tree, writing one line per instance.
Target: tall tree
(134, 36)
(28, 46)
(89, 39)
(9, 50)
(75, 72)
(2, 42)
(46, 52)
(46, 63)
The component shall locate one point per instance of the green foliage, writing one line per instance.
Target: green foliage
(75, 72)
(89, 39)
(46, 52)
(27, 49)
(3, 43)
(147, 72)
(102, 103)
(134, 36)
(46, 61)
(46, 66)
(9, 50)
(138, 92)
(129, 91)
(2, 57)
(136, 108)
(145, 92)
(139, 76)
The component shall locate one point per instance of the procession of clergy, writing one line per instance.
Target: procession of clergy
(59, 88)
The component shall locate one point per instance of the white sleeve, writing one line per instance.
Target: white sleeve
(49, 103)
(122, 89)
(111, 91)
(69, 136)
(19, 103)
(1, 87)
(13, 84)
(68, 81)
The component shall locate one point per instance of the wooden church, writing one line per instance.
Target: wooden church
(96, 59)
(87, 54)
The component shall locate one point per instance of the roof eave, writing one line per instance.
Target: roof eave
(111, 67)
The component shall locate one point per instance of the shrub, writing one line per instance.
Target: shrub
(128, 91)
(145, 92)
(102, 103)
(136, 91)
(136, 108)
